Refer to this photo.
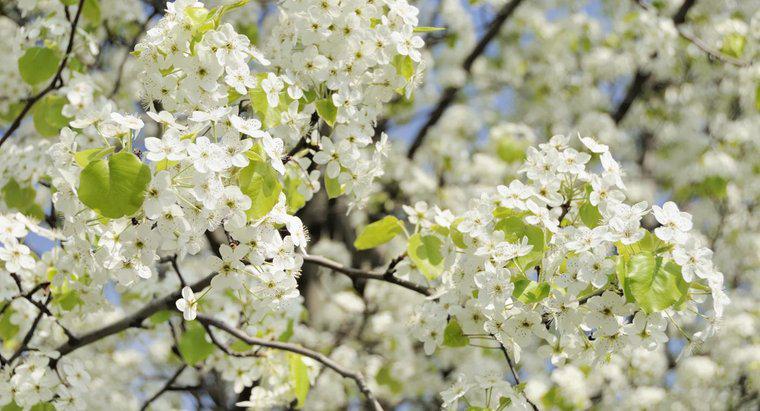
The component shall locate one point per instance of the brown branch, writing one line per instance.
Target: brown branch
(133, 320)
(132, 44)
(165, 388)
(642, 76)
(512, 370)
(386, 276)
(55, 84)
(294, 348)
(27, 338)
(450, 93)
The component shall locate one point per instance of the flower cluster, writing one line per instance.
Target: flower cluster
(563, 260)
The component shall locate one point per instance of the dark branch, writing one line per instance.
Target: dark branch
(55, 84)
(294, 348)
(450, 93)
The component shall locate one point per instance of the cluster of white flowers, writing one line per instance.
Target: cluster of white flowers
(564, 259)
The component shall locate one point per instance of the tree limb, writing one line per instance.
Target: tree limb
(165, 388)
(450, 93)
(386, 276)
(55, 84)
(294, 348)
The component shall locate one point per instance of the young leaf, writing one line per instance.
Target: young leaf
(85, 157)
(590, 215)
(114, 188)
(530, 292)
(404, 66)
(8, 330)
(515, 229)
(259, 181)
(425, 253)
(22, 199)
(293, 198)
(379, 232)
(327, 111)
(385, 377)
(47, 118)
(38, 64)
(333, 186)
(423, 29)
(299, 378)
(733, 45)
(193, 344)
(655, 283)
(453, 335)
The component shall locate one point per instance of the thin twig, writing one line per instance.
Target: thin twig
(514, 374)
(642, 76)
(55, 84)
(165, 388)
(132, 44)
(448, 95)
(386, 276)
(294, 348)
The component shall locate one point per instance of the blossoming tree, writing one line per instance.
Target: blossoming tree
(370, 204)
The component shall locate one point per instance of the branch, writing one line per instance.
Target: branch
(386, 276)
(678, 20)
(294, 348)
(133, 320)
(132, 44)
(55, 84)
(512, 370)
(641, 76)
(450, 93)
(165, 388)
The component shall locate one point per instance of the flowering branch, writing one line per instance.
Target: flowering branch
(448, 95)
(56, 83)
(386, 276)
(354, 375)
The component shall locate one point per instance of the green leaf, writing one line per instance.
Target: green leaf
(757, 97)
(85, 157)
(288, 333)
(38, 64)
(240, 346)
(8, 330)
(404, 66)
(43, 406)
(590, 215)
(515, 229)
(22, 199)
(334, 187)
(655, 283)
(453, 335)
(68, 300)
(530, 292)
(259, 181)
(160, 317)
(511, 150)
(299, 378)
(385, 377)
(294, 199)
(327, 111)
(91, 11)
(193, 344)
(48, 119)
(11, 406)
(270, 116)
(733, 45)
(114, 188)
(379, 232)
(423, 29)
(425, 253)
